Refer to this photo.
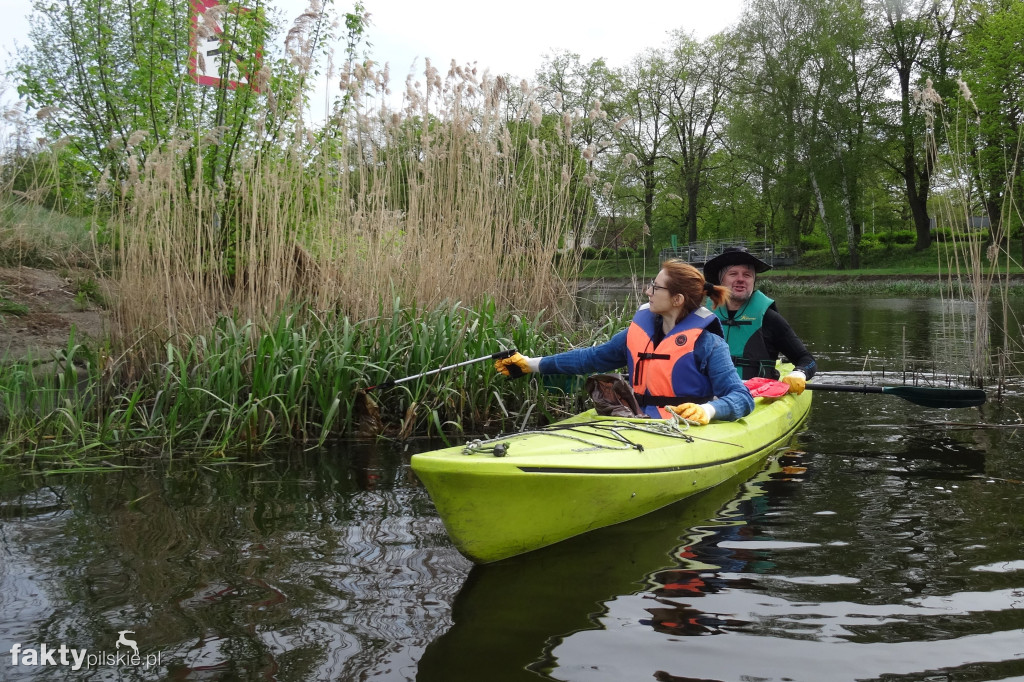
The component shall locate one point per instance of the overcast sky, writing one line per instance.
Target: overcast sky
(513, 37)
(505, 37)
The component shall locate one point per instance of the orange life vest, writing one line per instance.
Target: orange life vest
(667, 374)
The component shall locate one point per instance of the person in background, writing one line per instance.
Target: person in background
(754, 329)
(674, 353)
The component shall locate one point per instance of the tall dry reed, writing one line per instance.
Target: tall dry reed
(452, 196)
(977, 262)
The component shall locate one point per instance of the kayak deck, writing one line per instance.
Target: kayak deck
(512, 494)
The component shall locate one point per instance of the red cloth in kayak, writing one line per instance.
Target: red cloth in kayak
(763, 387)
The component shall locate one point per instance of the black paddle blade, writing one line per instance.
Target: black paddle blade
(928, 396)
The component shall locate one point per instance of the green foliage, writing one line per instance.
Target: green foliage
(87, 290)
(9, 307)
(897, 237)
(946, 234)
(50, 178)
(36, 237)
(988, 107)
(813, 242)
(869, 241)
(540, 187)
(112, 81)
(237, 388)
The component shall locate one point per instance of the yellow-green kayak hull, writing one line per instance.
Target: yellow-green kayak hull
(521, 492)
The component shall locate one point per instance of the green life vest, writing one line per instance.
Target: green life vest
(743, 334)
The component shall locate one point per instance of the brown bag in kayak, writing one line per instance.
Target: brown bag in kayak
(613, 396)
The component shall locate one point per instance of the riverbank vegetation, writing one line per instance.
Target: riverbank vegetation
(260, 269)
(303, 380)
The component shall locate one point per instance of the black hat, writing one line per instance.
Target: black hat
(732, 255)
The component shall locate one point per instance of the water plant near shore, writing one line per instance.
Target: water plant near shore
(326, 260)
(241, 388)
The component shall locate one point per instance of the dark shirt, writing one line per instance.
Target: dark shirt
(779, 337)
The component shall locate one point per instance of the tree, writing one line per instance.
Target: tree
(111, 79)
(844, 74)
(642, 126)
(993, 85)
(770, 109)
(107, 75)
(575, 93)
(701, 74)
(915, 35)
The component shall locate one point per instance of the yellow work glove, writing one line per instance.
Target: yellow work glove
(517, 365)
(692, 412)
(797, 381)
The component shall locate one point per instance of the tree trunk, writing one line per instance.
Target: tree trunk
(692, 190)
(648, 206)
(833, 247)
(851, 226)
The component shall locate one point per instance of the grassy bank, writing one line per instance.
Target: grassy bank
(937, 262)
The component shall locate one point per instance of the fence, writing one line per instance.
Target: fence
(699, 253)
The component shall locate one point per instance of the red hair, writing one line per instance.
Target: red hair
(688, 281)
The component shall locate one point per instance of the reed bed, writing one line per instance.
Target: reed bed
(243, 388)
(252, 311)
(455, 197)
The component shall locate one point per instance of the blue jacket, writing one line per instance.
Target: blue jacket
(710, 352)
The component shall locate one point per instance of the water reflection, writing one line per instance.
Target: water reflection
(310, 568)
(509, 616)
(890, 574)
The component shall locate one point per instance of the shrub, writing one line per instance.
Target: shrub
(946, 234)
(869, 241)
(816, 259)
(897, 237)
(813, 242)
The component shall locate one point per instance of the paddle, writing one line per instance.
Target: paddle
(367, 412)
(926, 396)
(494, 356)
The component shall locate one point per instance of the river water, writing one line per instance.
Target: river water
(886, 543)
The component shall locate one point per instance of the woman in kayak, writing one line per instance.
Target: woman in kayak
(672, 362)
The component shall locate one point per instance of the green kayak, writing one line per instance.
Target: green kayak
(516, 493)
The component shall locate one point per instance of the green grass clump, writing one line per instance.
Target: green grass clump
(236, 389)
(9, 307)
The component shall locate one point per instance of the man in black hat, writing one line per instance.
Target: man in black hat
(755, 330)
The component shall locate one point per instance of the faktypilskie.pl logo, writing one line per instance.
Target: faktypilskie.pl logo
(125, 654)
